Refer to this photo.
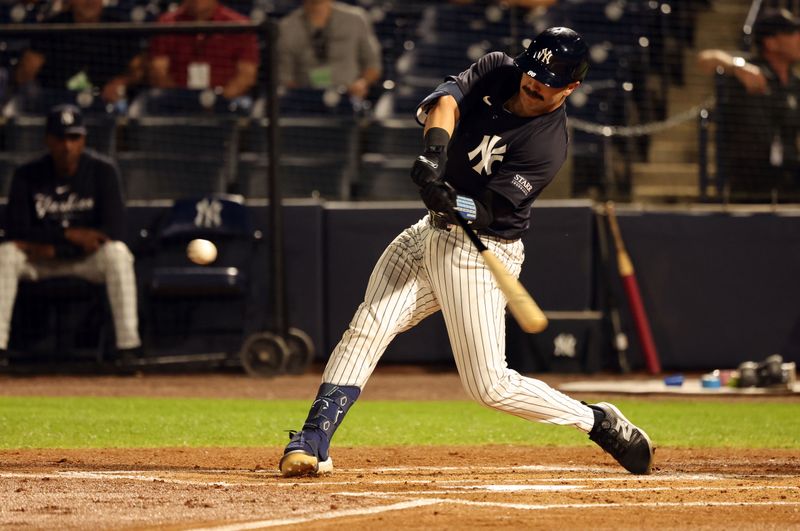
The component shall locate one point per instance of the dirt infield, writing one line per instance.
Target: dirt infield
(498, 487)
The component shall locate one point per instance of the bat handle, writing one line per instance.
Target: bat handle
(468, 230)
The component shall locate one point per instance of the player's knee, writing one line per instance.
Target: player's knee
(494, 395)
(115, 254)
(11, 256)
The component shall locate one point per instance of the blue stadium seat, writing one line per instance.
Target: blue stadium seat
(149, 176)
(315, 102)
(37, 101)
(24, 135)
(389, 147)
(186, 102)
(318, 156)
(184, 301)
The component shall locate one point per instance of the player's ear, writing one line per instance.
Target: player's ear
(569, 89)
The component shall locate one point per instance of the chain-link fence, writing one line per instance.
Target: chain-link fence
(185, 113)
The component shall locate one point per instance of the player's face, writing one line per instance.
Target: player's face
(66, 152)
(86, 10)
(200, 9)
(788, 45)
(537, 98)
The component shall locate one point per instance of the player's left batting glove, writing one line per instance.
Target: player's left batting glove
(429, 167)
(438, 196)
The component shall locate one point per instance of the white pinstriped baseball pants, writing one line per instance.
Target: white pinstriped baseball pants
(427, 269)
(112, 264)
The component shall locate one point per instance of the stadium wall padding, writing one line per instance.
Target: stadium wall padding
(719, 287)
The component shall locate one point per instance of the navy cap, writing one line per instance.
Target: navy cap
(64, 120)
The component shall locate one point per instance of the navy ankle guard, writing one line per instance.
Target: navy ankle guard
(330, 407)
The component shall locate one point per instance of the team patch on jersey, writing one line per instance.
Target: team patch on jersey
(522, 183)
(488, 152)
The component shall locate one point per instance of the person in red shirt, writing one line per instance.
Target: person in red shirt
(225, 62)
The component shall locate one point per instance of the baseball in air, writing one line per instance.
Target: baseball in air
(201, 252)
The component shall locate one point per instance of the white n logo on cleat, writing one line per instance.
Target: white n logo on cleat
(488, 154)
(625, 429)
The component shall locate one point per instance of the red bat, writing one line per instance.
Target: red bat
(628, 277)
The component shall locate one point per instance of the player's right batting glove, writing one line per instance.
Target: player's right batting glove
(438, 196)
(429, 167)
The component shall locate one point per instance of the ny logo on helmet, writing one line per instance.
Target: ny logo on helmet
(543, 56)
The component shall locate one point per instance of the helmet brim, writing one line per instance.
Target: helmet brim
(541, 74)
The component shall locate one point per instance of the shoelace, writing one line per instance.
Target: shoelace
(610, 438)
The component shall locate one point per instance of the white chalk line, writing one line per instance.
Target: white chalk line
(460, 489)
(260, 524)
(411, 504)
(257, 477)
(553, 488)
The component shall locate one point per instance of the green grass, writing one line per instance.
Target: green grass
(89, 422)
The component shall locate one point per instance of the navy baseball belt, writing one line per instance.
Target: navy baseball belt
(442, 222)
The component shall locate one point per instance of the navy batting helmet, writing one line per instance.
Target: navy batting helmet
(556, 57)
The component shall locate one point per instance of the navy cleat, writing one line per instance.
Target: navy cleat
(301, 457)
(626, 443)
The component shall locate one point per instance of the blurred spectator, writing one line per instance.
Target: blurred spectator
(329, 44)
(80, 61)
(65, 217)
(227, 62)
(757, 110)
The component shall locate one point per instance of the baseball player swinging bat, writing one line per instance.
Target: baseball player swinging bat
(530, 317)
(628, 277)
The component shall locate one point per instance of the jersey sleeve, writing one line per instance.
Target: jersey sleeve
(460, 85)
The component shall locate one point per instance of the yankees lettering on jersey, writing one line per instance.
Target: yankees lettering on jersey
(489, 152)
(46, 205)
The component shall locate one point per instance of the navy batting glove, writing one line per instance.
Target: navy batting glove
(438, 196)
(429, 167)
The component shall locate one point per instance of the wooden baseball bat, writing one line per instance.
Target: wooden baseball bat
(530, 317)
(628, 276)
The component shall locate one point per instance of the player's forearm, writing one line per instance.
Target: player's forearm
(242, 82)
(443, 114)
(371, 75)
(711, 61)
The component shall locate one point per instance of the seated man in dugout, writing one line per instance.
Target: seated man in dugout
(65, 217)
(224, 62)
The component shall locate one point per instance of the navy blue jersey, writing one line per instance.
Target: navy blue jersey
(492, 149)
(41, 204)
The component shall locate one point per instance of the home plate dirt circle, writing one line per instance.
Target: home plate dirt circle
(498, 487)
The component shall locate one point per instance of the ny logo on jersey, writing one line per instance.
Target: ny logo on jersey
(209, 213)
(489, 152)
(544, 56)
